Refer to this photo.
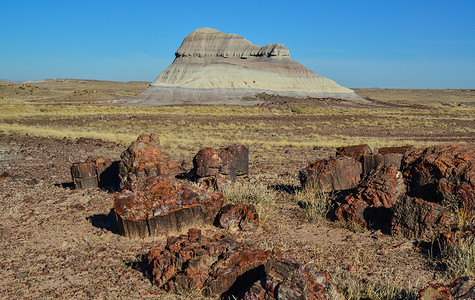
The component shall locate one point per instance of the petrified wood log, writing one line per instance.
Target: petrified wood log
(335, 174)
(356, 151)
(84, 175)
(444, 174)
(231, 161)
(164, 207)
(371, 162)
(222, 266)
(143, 160)
(287, 280)
(419, 219)
(376, 193)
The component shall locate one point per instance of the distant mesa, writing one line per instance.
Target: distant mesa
(212, 67)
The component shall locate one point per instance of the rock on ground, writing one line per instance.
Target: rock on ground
(372, 200)
(144, 160)
(238, 216)
(444, 174)
(334, 174)
(419, 219)
(221, 266)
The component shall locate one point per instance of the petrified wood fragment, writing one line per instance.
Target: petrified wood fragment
(376, 193)
(221, 266)
(356, 151)
(238, 216)
(399, 149)
(144, 160)
(419, 219)
(231, 161)
(444, 174)
(435, 291)
(287, 280)
(210, 265)
(371, 162)
(164, 207)
(335, 174)
(462, 288)
(84, 175)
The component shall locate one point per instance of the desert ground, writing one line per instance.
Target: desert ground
(59, 242)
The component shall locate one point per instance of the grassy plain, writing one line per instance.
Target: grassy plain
(56, 232)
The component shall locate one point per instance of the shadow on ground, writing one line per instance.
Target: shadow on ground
(103, 221)
(142, 265)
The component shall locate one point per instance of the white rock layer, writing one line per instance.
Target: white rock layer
(215, 67)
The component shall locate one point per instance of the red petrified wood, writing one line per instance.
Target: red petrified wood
(380, 189)
(416, 218)
(356, 151)
(461, 288)
(144, 160)
(230, 162)
(286, 280)
(238, 216)
(335, 174)
(152, 202)
(444, 174)
(164, 207)
(210, 265)
(221, 266)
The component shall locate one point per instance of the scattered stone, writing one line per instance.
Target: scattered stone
(144, 160)
(84, 175)
(457, 237)
(231, 161)
(213, 183)
(335, 174)
(415, 218)
(33, 181)
(238, 216)
(164, 207)
(444, 174)
(356, 151)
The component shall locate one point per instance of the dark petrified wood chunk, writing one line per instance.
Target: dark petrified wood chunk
(84, 175)
(231, 161)
(356, 151)
(335, 174)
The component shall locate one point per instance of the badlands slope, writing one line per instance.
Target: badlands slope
(212, 67)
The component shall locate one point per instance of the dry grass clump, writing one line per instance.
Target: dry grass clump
(459, 258)
(256, 194)
(355, 287)
(316, 204)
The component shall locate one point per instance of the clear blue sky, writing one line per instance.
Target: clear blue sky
(357, 43)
